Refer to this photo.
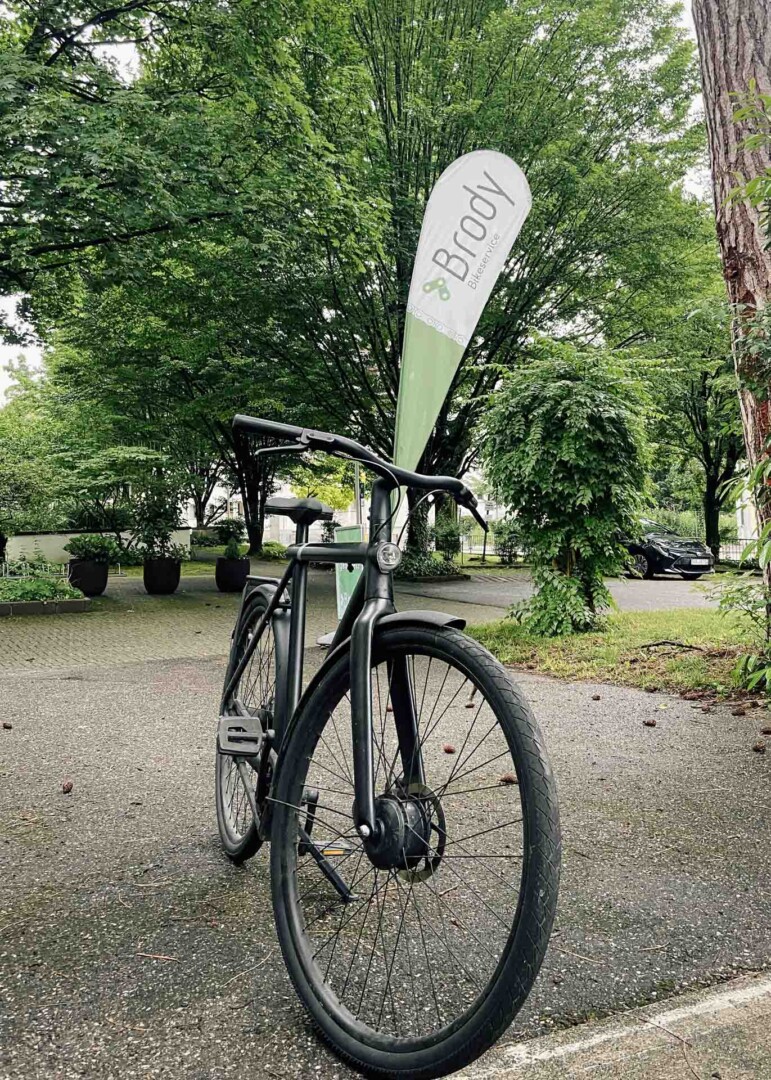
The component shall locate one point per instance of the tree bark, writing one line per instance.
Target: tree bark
(734, 39)
(711, 505)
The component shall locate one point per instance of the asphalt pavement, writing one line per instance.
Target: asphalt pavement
(130, 947)
(500, 590)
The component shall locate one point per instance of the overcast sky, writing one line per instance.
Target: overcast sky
(127, 60)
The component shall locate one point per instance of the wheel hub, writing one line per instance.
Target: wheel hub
(402, 831)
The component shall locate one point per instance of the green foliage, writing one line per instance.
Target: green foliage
(328, 531)
(94, 547)
(691, 522)
(755, 110)
(16, 589)
(232, 549)
(229, 529)
(695, 422)
(564, 447)
(234, 228)
(415, 565)
(157, 517)
(272, 550)
(201, 538)
(507, 539)
(747, 598)
(447, 537)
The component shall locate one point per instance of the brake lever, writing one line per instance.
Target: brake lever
(290, 448)
(475, 514)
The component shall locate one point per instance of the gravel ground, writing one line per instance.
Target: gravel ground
(129, 946)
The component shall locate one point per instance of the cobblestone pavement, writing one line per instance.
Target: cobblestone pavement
(127, 625)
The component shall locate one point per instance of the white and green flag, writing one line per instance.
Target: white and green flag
(472, 219)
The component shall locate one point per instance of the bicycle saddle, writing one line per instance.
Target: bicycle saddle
(300, 511)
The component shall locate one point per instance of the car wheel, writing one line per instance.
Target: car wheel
(642, 566)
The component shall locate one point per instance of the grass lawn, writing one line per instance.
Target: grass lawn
(616, 654)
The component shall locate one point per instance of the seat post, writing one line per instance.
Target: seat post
(297, 628)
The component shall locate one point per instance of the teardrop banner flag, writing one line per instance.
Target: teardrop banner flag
(472, 219)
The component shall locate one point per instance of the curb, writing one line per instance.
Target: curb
(44, 607)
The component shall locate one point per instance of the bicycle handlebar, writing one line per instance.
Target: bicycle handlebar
(338, 444)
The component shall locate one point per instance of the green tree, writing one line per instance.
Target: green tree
(564, 447)
(697, 417)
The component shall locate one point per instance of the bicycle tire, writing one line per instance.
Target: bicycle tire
(453, 1045)
(237, 828)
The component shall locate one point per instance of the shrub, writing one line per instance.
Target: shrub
(14, 590)
(202, 538)
(271, 550)
(94, 547)
(564, 447)
(421, 565)
(164, 550)
(507, 539)
(232, 549)
(447, 537)
(229, 529)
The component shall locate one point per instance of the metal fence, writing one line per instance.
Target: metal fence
(731, 551)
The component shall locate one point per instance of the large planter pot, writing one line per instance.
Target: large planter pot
(88, 575)
(231, 574)
(161, 576)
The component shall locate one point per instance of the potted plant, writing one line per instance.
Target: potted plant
(157, 517)
(231, 570)
(91, 557)
(162, 565)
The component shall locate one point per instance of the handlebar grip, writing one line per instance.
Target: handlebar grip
(266, 427)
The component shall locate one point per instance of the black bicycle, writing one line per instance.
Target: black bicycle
(406, 793)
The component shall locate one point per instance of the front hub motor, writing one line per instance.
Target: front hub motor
(402, 833)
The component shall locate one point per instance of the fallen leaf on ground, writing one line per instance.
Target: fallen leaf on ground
(67, 787)
(650, 722)
(448, 748)
(507, 778)
(759, 748)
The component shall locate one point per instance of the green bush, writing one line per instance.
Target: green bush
(422, 565)
(202, 538)
(565, 448)
(94, 547)
(447, 537)
(229, 529)
(272, 550)
(506, 539)
(232, 549)
(14, 590)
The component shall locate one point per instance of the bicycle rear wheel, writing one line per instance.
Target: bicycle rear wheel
(238, 779)
(430, 958)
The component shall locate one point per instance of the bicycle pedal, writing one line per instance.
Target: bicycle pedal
(240, 735)
(331, 850)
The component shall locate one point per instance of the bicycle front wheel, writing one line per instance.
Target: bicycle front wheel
(414, 969)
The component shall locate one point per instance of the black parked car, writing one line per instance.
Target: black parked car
(660, 551)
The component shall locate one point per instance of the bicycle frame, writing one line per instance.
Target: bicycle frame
(372, 600)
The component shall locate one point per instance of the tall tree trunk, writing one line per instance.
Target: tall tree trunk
(711, 504)
(734, 39)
